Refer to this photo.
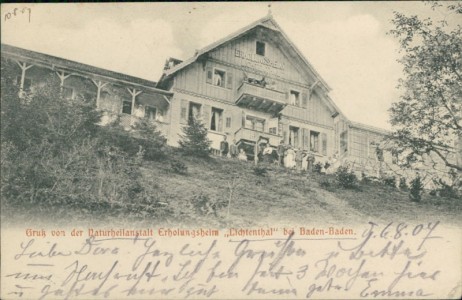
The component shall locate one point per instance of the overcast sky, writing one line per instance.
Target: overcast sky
(346, 42)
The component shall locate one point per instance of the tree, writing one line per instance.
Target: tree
(427, 118)
(195, 141)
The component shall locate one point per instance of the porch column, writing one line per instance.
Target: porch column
(62, 76)
(24, 67)
(134, 92)
(99, 85)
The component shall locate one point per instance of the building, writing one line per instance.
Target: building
(116, 94)
(250, 86)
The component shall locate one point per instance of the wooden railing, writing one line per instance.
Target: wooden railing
(254, 135)
(260, 92)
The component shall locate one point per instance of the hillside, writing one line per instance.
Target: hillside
(200, 197)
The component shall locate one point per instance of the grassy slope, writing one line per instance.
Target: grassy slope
(281, 197)
(286, 197)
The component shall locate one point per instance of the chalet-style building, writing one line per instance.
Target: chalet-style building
(250, 86)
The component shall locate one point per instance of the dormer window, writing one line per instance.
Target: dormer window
(260, 48)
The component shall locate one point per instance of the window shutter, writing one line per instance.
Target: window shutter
(304, 100)
(243, 119)
(229, 80)
(206, 115)
(184, 112)
(209, 72)
(324, 143)
(228, 122)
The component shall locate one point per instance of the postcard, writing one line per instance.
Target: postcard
(250, 150)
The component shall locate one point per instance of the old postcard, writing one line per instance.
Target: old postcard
(257, 150)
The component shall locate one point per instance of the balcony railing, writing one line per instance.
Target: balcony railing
(257, 97)
(250, 135)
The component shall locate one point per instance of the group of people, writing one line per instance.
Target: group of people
(232, 150)
(291, 158)
(284, 155)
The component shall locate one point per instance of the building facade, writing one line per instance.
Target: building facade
(253, 85)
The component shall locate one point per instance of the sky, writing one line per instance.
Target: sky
(346, 42)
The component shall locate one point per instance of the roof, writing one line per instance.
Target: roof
(369, 128)
(268, 22)
(59, 62)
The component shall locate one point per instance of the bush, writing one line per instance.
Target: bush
(317, 167)
(194, 140)
(415, 193)
(260, 171)
(178, 167)
(144, 137)
(325, 184)
(345, 178)
(402, 184)
(389, 181)
(203, 205)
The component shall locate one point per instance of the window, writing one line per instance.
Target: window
(260, 48)
(217, 119)
(314, 141)
(194, 111)
(254, 123)
(150, 113)
(27, 83)
(273, 130)
(295, 98)
(294, 136)
(228, 122)
(127, 107)
(68, 92)
(219, 77)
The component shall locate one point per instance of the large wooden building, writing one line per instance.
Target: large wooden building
(253, 84)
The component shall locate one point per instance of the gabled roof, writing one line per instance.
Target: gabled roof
(268, 22)
(53, 61)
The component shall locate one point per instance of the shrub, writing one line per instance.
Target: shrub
(325, 184)
(346, 179)
(317, 167)
(203, 205)
(403, 184)
(260, 171)
(415, 193)
(144, 137)
(178, 167)
(389, 181)
(194, 140)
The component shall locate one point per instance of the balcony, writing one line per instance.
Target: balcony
(252, 136)
(255, 96)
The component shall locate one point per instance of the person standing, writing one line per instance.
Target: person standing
(281, 151)
(233, 150)
(224, 147)
(311, 159)
(299, 155)
(289, 160)
(268, 154)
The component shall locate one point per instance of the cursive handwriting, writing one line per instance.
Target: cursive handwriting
(392, 260)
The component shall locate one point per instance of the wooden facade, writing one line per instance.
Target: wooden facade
(256, 85)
